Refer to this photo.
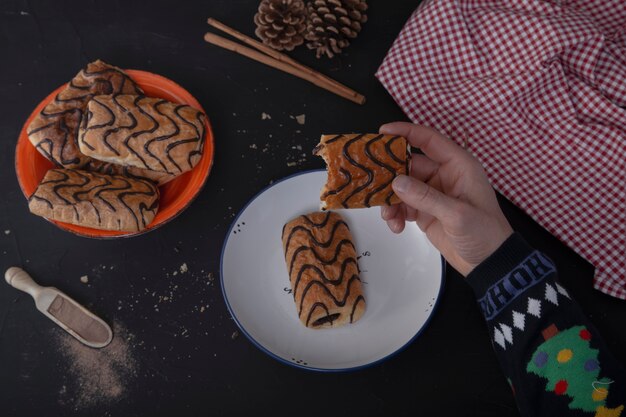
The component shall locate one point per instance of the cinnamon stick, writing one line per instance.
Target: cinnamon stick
(356, 97)
(275, 63)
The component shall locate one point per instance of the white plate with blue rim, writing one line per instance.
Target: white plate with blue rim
(402, 277)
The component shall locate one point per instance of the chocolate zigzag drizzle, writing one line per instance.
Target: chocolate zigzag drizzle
(333, 281)
(156, 177)
(143, 132)
(54, 130)
(368, 172)
(348, 177)
(111, 202)
(389, 168)
(326, 318)
(312, 223)
(361, 169)
(339, 302)
(313, 239)
(318, 258)
(323, 269)
(359, 299)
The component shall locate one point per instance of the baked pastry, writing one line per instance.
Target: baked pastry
(322, 265)
(108, 202)
(54, 130)
(361, 168)
(159, 178)
(143, 132)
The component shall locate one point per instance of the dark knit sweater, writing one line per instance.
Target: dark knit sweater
(553, 357)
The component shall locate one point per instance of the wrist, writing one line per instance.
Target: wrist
(495, 241)
(513, 250)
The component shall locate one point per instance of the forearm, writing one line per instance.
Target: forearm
(554, 359)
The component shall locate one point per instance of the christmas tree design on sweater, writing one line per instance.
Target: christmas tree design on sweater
(571, 367)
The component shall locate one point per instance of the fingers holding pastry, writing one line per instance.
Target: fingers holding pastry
(434, 145)
(423, 168)
(423, 197)
(389, 212)
(397, 223)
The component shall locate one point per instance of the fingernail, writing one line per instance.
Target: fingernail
(396, 226)
(383, 128)
(383, 212)
(401, 183)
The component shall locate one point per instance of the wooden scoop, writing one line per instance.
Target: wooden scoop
(61, 309)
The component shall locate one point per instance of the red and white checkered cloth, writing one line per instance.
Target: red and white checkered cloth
(537, 91)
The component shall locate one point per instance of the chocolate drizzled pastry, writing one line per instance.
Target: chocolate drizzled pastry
(322, 265)
(361, 168)
(54, 130)
(108, 202)
(159, 178)
(143, 132)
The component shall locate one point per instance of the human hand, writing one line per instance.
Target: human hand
(449, 196)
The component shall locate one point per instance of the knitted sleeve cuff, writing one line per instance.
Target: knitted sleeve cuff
(510, 254)
(509, 272)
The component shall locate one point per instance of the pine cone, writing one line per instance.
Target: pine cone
(332, 23)
(281, 23)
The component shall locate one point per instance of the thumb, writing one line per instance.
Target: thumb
(423, 197)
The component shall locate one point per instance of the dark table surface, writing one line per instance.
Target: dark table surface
(188, 358)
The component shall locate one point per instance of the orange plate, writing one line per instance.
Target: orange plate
(176, 195)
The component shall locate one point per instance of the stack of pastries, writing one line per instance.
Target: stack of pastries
(113, 147)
